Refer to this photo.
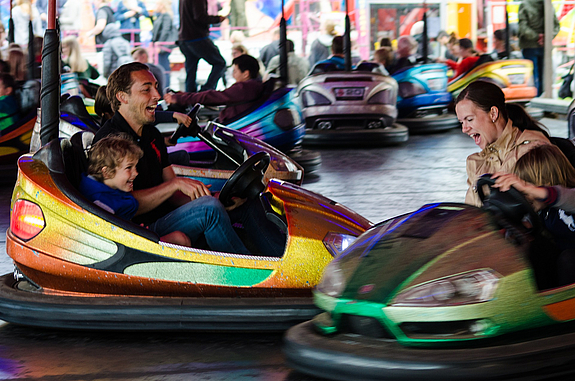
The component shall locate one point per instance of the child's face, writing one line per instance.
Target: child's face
(124, 177)
(4, 90)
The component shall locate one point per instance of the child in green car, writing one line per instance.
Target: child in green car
(9, 109)
(547, 179)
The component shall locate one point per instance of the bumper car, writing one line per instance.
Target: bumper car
(78, 266)
(514, 76)
(423, 99)
(348, 108)
(447, 292)
(15, 139)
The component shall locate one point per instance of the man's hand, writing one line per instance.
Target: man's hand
(182, 119)
(191, 188)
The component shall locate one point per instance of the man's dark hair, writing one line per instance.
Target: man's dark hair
(465, 43)
(289, 46)
(385, 41)
(500, 34)
(4, 66)
(249, 63)
(8, 80)
(337, 45)
(121, 80)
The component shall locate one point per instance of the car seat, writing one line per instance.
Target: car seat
(324, 67)
(74, 105)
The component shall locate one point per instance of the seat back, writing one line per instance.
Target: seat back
(324, 67)
(28, 96)
(74, 105)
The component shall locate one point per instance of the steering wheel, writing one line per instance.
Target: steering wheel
(247, 180)
(511, 204)
(194, 128)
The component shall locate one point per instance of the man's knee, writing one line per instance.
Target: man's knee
(213, 208)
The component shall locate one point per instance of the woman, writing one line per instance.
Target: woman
(481, 110)
(72, 57)
(22, 13)
(163, 31)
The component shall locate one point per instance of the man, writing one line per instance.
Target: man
(531, 18)
(132, 91)
(141, 55)
(104, 16)
(195, 44)
(337, 56)
(237, 98)
(298, 67)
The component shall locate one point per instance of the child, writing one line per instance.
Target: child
(110, 179)
(9, 109)
(547, 179)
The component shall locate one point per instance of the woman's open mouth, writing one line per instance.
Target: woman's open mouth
(476, 138)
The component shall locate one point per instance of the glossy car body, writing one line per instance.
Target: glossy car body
(423, 99)
(15, 142)
(514, 76)
(82, 267)
(350, 108)
(441, 293)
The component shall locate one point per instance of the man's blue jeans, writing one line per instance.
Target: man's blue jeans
(205, 215)
(536, 55)
(194, 50)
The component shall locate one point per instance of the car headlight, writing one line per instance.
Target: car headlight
(335, 243)
(472, 287)
(381, 97)
(311, 98)
(410, 89)
(333, 280)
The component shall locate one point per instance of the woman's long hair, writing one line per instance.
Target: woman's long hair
(76, 61)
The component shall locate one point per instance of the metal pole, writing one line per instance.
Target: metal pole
(11, 26)
(283, 49)
(548, 50)
(347, 40)
(50, 93)
(507, 34)
(424, 37)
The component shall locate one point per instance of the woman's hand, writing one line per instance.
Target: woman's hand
(504, 181)
(182, 119)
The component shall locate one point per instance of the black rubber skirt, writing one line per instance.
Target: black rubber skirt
(433, 124)
(377, 137)
(354, 357)
(22, 303)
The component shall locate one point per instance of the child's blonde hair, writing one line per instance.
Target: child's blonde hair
(545, 166)
(110, 152)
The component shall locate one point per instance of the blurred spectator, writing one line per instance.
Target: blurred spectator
(4, 67)
(116, 49)
(384, 56)
(238, 50)
(195, 44)
(272, 49)
(163, 31)
(320, 48)
(17, 61)
(337, 57)
(70, 18)
(73, 59)
(468, 57)
(42, 7)
(128, 14)
(238, 14)
(531, 36)
(9, 108)
(405, 54)
(141, 55)
(104, 16)
(499, 49)
(298, 67)
(385, 42)
(22, 13)
(453, 48)
(442, 40)
(3, 41)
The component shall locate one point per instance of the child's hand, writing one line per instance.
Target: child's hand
(507, 180)
(182, 119)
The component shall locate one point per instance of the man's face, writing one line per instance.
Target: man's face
(240, 76)
(139, 106)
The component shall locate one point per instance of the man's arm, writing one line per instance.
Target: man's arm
(179, 189)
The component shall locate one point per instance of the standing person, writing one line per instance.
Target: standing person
(195, 44)
(272, 49)
(104, 16)
(116, 49)
(163, 31)
(321, 47)
(238, 14)
(22, 13)
(132, 92)
(70, 18)
(531, 36)
(141, 55)
(481, 109)
(128, 14)
(42, 6)
(298, 67)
